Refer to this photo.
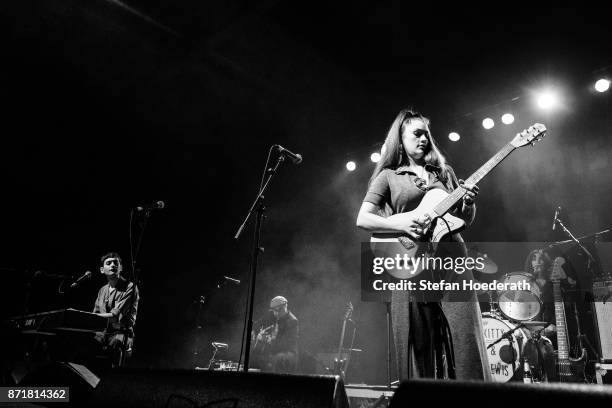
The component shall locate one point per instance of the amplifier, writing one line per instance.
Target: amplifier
(602, 306)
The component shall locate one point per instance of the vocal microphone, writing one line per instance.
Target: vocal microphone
(295, 158)
(557, 212)
(232, 280)
(157, 205)
(86, 275)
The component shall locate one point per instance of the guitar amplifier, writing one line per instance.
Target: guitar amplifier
(602, 306)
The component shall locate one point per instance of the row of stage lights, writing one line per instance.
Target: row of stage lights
(546, 100)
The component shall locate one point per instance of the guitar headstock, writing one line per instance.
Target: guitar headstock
(530, 135)
(557, 264)
(349, 311)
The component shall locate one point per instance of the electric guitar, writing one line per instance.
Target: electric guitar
(568, 369)
(436, 204)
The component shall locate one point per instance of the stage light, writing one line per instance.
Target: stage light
(602, 85)
(547, 100)
(488, 123)
(454, 136)
(508, 118)
(375, 157)
(350, 166)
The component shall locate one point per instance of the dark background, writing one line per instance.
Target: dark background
(106, 109)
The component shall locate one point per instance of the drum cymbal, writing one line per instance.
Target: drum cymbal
(490, 267)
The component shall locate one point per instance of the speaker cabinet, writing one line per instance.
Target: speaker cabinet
(602, 306)
(219, 389)
(501, 395)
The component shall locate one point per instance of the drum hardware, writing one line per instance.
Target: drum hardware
(492, 304)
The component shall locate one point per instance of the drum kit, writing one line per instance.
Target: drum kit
(509, 328)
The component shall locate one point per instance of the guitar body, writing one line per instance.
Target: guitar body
(572, 369)
(441, 227)
(261, 342)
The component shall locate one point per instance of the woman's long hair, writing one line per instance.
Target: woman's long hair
(545, 261)
(393, 154)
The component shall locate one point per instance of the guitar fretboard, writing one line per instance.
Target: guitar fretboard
(562, 342)
(453, 198)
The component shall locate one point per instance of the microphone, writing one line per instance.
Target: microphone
(225, 279)
(157, 205)
(557, 212)
(86, 275)
(295, 158)
(232, 280)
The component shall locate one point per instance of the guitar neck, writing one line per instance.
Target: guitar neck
(454, 197)
(341, 340)
(560, 321)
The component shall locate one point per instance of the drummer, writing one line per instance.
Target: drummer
(539, 264)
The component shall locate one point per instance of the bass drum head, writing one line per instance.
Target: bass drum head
(503, 354)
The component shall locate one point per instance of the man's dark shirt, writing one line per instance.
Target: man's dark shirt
(287, 336)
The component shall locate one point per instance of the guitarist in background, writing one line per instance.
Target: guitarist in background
(432, 339)
(279, 340)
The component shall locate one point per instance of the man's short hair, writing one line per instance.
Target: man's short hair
(277, 302)
(110, 255)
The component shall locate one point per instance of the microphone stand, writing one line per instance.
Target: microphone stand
(258, 208)
(577, 241)
(134, 253)
(508, 336)
(201, 302)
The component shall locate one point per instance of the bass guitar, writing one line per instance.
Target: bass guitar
(568, 369)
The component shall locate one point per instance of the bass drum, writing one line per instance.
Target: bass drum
(503, 354)
(520, 305)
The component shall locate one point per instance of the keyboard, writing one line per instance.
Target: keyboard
(63, 320)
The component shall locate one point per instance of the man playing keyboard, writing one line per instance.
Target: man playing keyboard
(117, 301)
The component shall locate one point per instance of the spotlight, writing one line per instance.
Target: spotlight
(508, 118)
(375, 157)
(488, 123)
(547, 100)
(454, 136)
(602, 85)
(350, 166)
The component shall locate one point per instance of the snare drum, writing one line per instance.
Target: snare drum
(503, 353)
(520, 305)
